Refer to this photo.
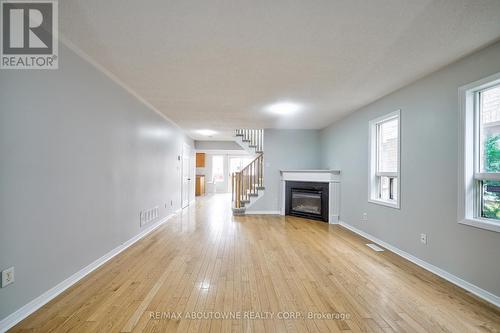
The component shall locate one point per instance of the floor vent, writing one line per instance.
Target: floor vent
(375, 247)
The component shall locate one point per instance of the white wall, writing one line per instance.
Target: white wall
(80, 158)
(217, 145)
(285, 149)
(429, 135)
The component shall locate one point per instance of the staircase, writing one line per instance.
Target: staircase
(248, 184)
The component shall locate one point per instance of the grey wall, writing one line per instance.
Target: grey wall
(285, 149)
(217, 145)
(80, 158)
(429, 180)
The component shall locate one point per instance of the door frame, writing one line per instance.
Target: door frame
(185, 158)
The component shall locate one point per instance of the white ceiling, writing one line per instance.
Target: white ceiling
(217, 64)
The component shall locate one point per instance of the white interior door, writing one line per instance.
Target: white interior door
(186, 175)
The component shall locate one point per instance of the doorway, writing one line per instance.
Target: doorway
(236, 163)
(186, 175)
(219, 173)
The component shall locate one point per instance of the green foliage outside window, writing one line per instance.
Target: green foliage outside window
(491, 199)
(492, 154)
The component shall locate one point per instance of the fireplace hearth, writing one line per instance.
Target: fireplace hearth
(307, 199)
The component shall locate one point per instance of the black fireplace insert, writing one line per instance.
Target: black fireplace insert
(307, 199)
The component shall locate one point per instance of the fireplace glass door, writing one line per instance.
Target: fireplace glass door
(306, 202)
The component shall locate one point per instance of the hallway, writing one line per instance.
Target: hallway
(205, 270)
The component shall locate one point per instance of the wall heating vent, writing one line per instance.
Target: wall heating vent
(149, 215)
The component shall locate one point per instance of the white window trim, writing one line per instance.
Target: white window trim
(372, 158)
(466, 186)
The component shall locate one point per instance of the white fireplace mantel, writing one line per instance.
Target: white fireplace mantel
(323, 176)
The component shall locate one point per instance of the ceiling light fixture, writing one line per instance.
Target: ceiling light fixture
(206, 132)
(284, 108)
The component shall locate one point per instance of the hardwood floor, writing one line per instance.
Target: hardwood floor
(269, 267)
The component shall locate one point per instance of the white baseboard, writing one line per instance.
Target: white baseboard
(27, 309)
(479, 292)
(262, 212)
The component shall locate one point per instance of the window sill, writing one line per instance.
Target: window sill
(481, 223)
(390, 204)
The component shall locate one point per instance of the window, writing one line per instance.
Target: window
(384, 178)
(479, 192)
(218, 168)
(238, 163)
(235, 165)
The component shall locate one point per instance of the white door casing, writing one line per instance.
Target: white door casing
(186, 175)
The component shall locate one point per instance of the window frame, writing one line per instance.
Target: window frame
(374, 176)
(469, 156)
(223, 173)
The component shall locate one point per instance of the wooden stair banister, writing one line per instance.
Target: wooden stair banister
(246, 182)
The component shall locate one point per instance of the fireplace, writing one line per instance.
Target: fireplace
(307, 199)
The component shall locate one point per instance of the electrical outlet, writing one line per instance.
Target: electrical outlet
(7, 277)
(364, 217)
(423, 238)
